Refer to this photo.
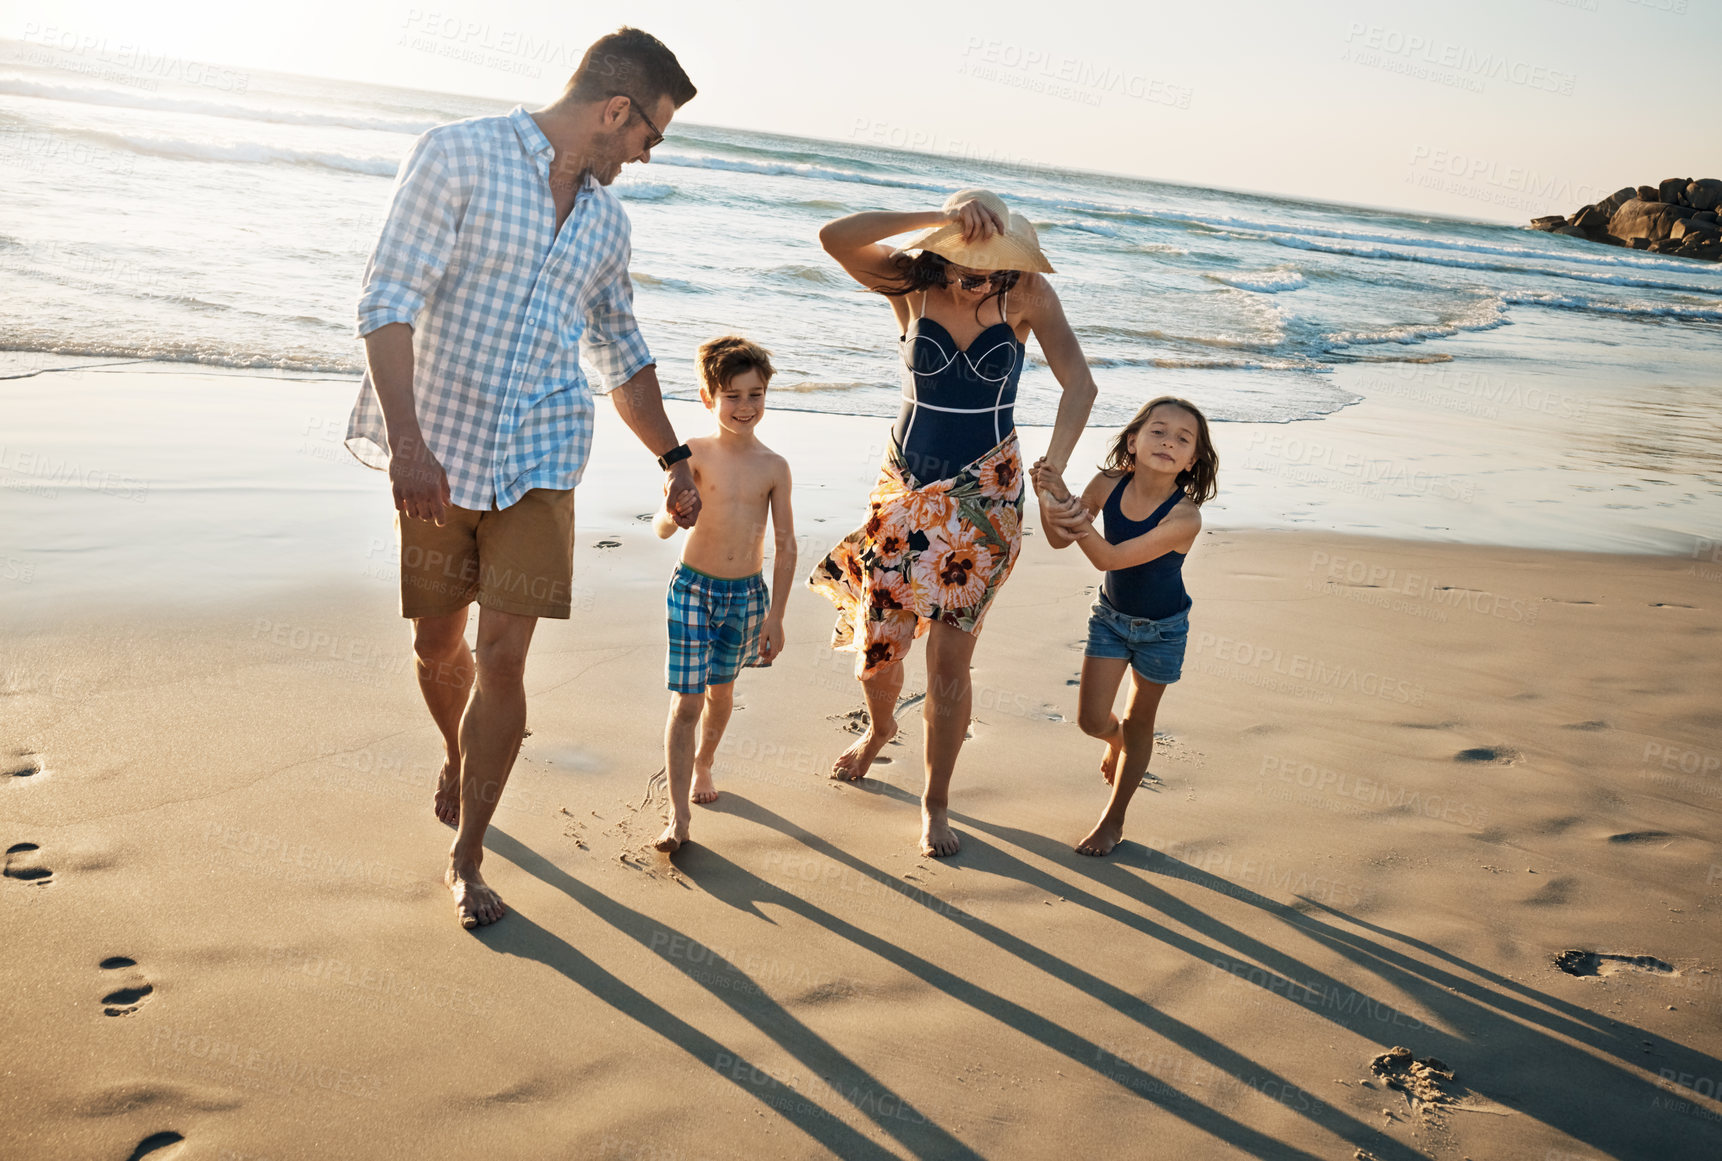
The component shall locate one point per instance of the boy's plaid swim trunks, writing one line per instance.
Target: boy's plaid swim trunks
(714, 628)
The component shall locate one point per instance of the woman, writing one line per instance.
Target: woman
(946, 520)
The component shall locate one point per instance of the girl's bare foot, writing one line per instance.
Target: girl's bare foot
(1100, 841)
(674, 838)
(853, 763)
(704, 789)
(474, 903)
(447, 800)
(1109, 763)
(937, 837)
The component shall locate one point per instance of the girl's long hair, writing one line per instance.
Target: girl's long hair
(1200, 480)
(927, 271)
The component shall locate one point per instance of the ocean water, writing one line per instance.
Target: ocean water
(229, 225)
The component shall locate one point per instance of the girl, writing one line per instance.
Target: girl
(1160, 470)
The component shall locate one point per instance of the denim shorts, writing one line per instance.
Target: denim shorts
(1155, 649)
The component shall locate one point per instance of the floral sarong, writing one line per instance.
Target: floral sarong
(933, 553)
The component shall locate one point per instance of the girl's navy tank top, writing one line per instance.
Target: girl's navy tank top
(1155, 588)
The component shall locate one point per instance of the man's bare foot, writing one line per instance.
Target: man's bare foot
(1100, 841)
(937, 837)
(1109, 763)
(704, 789)
(674, 838)
(852, 764)
(474, 903)
(447, 801)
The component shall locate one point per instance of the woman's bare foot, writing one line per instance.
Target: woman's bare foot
(704, 789)
(853, 763)
(674, 838)
(1100, 841)
(937, 837)
(1109, 763)
(474, 903)
(447, 800)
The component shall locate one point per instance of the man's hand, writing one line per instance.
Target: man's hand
(771, 639)
(682, 497)
(420, 485)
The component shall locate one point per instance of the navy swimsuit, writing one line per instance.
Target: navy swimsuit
(957, 402)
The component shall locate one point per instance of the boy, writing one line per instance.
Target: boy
(718, 614)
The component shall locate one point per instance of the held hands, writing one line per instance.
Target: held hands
(681, 496)
(1048, 479)
(1064, 512)
(419, 483)
(978, 222)
(771, 640)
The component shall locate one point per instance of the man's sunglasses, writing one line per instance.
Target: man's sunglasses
(998, 278)
(657, 137)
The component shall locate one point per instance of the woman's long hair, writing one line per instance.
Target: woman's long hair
(1200, 480)
(927, 271)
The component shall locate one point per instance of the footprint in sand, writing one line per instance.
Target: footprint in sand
(152, 1146)
(23, 766)
(128, 999)
(608, 544)
(1640, 836)
(1489, 755)
(1598, 724)
(1607, 963)
(22, 862)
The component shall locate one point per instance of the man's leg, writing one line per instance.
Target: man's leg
(444, 665)
(679, 766)
(490, 735)
(946, 718)
(720, 701)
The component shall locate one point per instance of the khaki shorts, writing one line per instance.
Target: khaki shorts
(518, 559)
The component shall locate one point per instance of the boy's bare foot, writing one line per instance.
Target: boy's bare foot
(474, 903)
(1110, 763)
(852, 764)
(704, 789)
(674, 838)
(1100, 841)
(447, 800)
(937, 837)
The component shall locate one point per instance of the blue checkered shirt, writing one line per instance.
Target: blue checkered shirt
(501, 305)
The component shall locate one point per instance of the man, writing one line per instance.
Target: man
(502, 257)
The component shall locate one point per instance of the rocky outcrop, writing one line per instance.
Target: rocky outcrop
(1677, 216)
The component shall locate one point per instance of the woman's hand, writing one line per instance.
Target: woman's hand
(979, 223)
(1049, 479)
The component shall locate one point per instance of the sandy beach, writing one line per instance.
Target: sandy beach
(1452, 798)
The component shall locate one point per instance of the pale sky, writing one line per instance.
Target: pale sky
(1493, 109)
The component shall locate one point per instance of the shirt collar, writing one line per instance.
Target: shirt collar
(531, 136)
(537, 145)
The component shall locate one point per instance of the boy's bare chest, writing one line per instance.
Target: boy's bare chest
(732, 483)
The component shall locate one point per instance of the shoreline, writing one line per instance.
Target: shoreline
(253, 479)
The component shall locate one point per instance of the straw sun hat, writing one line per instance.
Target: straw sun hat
(1016, 249)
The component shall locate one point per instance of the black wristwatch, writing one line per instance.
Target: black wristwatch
(674, 456)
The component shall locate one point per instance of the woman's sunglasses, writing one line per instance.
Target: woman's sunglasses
(997, 278)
